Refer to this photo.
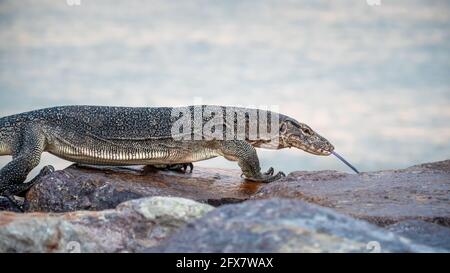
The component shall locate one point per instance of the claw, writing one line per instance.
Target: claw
(190, 165)
(47, 170)
(269, 171)
(181, 167)
(267, 177)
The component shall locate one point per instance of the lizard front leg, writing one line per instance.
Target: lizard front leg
(247, 158)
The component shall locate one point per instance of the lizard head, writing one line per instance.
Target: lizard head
(301, 136)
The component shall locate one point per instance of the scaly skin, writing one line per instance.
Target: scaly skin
(99, 135)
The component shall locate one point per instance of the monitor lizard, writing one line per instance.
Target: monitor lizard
(101, 135)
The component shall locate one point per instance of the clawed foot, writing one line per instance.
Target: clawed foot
(182, 167)
(9, 191)
(266, 177)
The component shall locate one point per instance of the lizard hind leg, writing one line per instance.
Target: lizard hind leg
(22, 188)
(25, 158)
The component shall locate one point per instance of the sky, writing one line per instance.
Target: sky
(374, 80)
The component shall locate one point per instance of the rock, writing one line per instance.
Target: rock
(132, 226)
(283, 225)
(77, 188)
(425, 233)
(386, 197)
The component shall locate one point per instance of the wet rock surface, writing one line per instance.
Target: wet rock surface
(283, 225)
(131, 227)
(83, 188)
(386, 197)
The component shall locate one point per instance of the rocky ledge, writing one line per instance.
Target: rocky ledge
(214, 210)
(97, 188)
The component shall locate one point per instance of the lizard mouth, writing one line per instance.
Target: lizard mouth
(316, 151)
(295, 142)
(319, 152)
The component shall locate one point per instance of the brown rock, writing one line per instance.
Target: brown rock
(417, 193)
(80, 188)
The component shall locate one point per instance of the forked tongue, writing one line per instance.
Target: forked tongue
(345, 161)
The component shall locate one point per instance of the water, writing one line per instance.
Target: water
(374, 80)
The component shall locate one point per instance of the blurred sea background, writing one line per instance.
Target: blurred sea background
(374, 80)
